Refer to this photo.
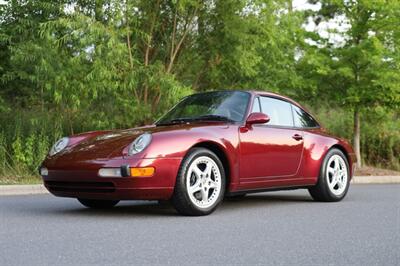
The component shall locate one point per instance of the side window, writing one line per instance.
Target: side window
(302, 119)
(279, 112)
(256, 106)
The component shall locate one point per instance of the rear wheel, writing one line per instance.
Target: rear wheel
(200, 184)
(334, 180)
(98, 204)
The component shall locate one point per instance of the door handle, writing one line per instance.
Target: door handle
(297, 137)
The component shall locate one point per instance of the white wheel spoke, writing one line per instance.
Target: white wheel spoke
(195, 188)
(340, 184)
(342, 173)
(212, 184)
(337, 164)
(333, 183)
(204, 195)
(207, 171)
(197, 171)
(331, 170)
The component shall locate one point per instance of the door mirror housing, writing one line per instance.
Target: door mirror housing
(257, 118)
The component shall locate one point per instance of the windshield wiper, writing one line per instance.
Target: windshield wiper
(214, 118)
(183, 120)
(176, 121)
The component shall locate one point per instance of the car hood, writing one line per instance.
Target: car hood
(111, 144)
(104, 145)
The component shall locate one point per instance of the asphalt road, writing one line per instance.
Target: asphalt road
(279, 228)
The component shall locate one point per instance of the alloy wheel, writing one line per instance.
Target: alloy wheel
(337, 175)
(203, 182)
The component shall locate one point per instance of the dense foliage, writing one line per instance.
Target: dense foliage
(70, 66)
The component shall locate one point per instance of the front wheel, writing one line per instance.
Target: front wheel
(98, 204)
(200, 184)
(334, 180)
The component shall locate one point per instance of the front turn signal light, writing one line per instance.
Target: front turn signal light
(43, 171)
(142, 171)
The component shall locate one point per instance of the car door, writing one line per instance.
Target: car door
(271, 150)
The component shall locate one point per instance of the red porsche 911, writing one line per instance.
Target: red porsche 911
(209, 146)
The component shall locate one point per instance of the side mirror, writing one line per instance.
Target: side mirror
(257, 118)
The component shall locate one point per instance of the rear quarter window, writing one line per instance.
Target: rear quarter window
(302, 118)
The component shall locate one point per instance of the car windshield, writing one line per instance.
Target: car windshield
(227, 106)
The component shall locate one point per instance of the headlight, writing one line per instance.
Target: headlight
(59, 146)
(139, 144)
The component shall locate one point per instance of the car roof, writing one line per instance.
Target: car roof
(279, 96)
(276, 95)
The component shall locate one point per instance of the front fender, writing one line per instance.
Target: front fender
(176, 144)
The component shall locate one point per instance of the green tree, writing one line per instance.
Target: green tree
(362, 72)
(129, 55)
(19, 40)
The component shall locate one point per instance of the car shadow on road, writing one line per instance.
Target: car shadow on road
(272, 198)
(265, 199)
(124, 209)
(152, 208)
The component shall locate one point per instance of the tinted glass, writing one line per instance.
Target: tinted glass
(229, 104)
(279, 112)
(302, 119)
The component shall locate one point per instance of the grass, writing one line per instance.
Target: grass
(20, 180)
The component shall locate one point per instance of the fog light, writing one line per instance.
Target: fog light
(142, 171)
(44, 171)
(110, 172)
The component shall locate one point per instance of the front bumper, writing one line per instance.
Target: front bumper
(82, 181)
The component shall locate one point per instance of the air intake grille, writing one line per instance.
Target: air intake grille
(89, 187)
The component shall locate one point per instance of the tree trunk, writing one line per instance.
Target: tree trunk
(128, 44)
(356, 140)
(98, 11)
(290, 6)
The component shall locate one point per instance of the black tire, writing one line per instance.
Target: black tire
(98, 204)
(321, 191)
(180, 198)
